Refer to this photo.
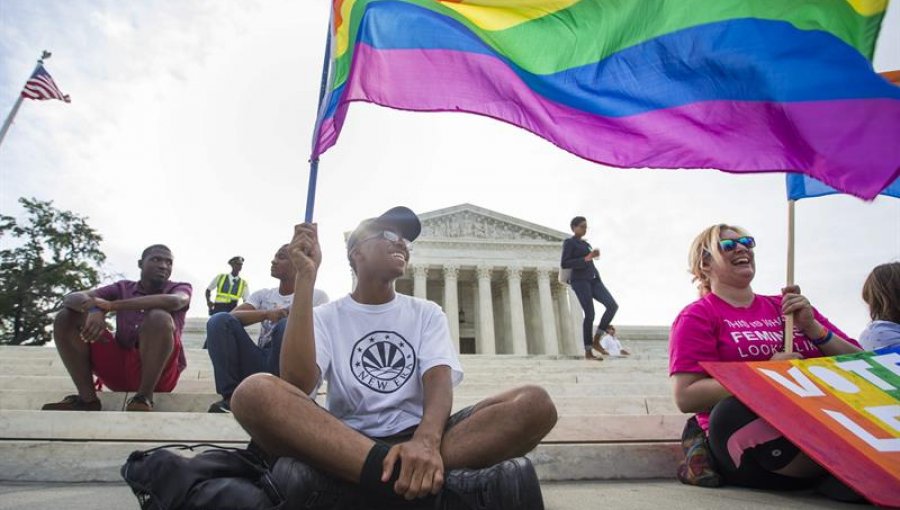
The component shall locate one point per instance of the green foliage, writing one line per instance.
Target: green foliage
(44, 257)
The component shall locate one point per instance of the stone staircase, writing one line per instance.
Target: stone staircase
(616, 417)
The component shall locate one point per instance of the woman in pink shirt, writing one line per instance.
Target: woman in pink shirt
(731, 323)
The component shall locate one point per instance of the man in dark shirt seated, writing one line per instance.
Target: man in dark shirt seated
(145, 353)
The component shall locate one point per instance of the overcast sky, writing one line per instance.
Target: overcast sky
(190, 125)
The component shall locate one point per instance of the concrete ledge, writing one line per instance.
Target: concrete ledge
(32, 400)
(76, 461)
(616, 461)
(655, 386)
(211, 428)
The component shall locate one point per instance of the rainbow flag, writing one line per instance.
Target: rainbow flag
(735, 85)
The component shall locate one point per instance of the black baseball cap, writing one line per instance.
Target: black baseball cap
(401, 219)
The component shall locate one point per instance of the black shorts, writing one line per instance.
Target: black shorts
(406, 435)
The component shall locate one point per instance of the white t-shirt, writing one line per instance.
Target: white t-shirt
(611, 344)
(271, 299)
(374, 357)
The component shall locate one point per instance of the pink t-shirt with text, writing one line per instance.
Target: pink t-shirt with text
(710, 329)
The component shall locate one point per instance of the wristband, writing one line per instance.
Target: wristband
(94, 309)
(825, 339)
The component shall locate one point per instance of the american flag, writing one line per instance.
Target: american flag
(41, 86)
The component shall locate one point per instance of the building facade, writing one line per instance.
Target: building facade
(497, 276)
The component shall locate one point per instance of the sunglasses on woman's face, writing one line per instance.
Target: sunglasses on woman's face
(730, 244)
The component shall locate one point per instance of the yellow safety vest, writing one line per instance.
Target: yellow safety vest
(226, 293)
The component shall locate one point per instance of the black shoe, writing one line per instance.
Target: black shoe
(511, 484)
(310, 489)
(222, 406)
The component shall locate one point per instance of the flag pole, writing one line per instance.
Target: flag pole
(314, 161)
(789, 319)
(15, 109)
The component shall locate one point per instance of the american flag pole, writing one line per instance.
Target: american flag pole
(15, 109)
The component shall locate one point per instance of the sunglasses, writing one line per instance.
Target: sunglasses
(730, 244)
(390, 235)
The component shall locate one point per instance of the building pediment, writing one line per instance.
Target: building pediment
(470, 222)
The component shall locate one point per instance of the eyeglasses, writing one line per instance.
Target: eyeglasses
(730, 244)
(390, 235)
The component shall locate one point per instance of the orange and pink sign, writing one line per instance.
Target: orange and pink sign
(844, 412)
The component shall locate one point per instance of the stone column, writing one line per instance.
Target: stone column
(420, 281)
(516, 310)
(576, 315)
(451, 301)
(548, 322)
(570, 345)
(486, 342)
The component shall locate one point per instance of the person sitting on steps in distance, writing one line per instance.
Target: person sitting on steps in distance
(390, 365)
(233, 353)
(145, 353)
(610, 344)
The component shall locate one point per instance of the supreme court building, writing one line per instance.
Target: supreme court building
(496, 277)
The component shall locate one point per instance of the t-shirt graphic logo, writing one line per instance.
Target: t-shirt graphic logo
(383, 361)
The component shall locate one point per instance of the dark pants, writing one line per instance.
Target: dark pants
(587, 291)
(222, 307)
(235, 356)
(757, 449)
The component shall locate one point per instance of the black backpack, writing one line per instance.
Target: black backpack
(216, 478)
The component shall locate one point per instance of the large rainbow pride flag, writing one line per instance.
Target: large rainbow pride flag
(735, 85)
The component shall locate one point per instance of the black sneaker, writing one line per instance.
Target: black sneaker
(222, 406)
(310, 489)
(511, 484)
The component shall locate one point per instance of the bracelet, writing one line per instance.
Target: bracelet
(94, 309)
(824, 340)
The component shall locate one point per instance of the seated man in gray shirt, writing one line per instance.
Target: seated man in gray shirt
(233, 353)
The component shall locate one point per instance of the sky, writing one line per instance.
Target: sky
(190, 125)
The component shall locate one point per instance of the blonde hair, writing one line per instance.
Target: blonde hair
(882, 292)
(707, 244)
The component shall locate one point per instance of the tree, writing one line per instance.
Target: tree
(50, 255)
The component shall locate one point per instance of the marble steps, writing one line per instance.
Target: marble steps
(10, 354)
(22, 400)
(657, 387)
(82, 447)
(100, 461)
(596, 374)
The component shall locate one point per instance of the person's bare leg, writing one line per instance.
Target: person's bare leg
(501, 427)
(74, 352)
(156, 342)
(286, 422)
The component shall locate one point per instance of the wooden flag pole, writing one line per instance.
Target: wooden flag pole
(15, 109)
(789, 319)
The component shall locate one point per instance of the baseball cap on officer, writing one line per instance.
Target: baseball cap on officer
(400, 219)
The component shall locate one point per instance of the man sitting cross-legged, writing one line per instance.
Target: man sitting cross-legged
(390, 367)
(233, 354)
(144, 355)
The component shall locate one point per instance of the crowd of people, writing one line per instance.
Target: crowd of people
(386, 427)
